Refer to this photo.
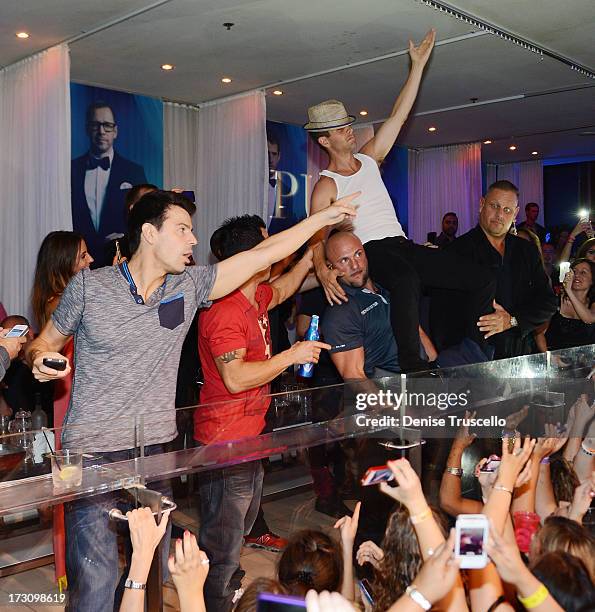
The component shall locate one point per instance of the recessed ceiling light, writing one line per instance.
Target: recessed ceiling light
(512, 148)
(363, 113)
(533, 152)
(167, 67)
(277, 92)
(487, 142)
(22, 35)
(226, 80)
(431, 129)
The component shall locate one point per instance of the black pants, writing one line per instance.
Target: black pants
(403, 268)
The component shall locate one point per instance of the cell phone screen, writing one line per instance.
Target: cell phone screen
(471, 542)
(377, 475)
(17, 331)
(270, 602)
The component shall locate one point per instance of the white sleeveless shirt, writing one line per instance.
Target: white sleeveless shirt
(376, 217)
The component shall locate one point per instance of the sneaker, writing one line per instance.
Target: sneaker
(267, 541)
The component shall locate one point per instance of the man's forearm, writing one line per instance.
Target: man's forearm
(406, 99)
(290, 282)
(39, 345)
(280, 245)
(253, 374)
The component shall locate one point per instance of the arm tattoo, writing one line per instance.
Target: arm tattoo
(228, 357)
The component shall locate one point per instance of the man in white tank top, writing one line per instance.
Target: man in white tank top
(396, 263)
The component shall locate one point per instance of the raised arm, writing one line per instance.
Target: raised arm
(236, 270)
(324, 194)
(289, 283)
(383, 141)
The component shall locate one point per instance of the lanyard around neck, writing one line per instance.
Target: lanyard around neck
(131, 285)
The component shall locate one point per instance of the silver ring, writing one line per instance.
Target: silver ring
(204, 562)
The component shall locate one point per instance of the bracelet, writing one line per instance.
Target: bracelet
(421, 517)
(418, 598)
(130, 584)
(455, 471)
(536, 598)
(502, 488)
(545, 460)
(586, 450)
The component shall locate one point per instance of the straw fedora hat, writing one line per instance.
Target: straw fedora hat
(328, 115)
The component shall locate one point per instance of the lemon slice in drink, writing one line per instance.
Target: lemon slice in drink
(68, 472)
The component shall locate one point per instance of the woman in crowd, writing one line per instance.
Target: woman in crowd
(582, 227)
(61, 255)
(574, 322)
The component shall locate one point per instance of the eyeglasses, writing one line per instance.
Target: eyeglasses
(497, 208)
(106, 125)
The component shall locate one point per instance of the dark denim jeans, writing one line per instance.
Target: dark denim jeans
(229, 502)
(94, 583)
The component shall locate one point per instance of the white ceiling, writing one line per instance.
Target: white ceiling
(277, 40)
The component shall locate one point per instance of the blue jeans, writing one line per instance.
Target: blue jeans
(94, 583)
(229, 502)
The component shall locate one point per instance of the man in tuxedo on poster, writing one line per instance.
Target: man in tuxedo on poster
(100, 180)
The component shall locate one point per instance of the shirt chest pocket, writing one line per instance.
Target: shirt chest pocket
(171, 311)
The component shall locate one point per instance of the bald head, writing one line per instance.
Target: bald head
(345, 253)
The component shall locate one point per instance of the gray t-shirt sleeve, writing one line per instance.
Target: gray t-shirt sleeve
(4, 361)
(69, 312)
(204, 279)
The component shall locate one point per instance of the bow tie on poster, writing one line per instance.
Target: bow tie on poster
(93, 163)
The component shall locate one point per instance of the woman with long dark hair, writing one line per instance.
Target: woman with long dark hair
(61, 255)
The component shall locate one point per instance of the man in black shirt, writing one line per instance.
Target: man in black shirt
(524, 299)
(530, 222)
(450, 225)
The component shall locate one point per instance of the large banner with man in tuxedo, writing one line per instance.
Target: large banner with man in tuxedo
(117, 143)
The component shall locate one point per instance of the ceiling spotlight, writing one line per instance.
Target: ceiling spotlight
(363, 113)
(533, 152)
(512, 148)
(22, 35)
(431, 129)
(487, 142)
(167, 67)
(277, 92)
(226, 80)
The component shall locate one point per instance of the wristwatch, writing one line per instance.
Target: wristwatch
(417, 597)
(513, 321)
(130, 584)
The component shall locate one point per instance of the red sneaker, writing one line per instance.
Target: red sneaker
(267, 541)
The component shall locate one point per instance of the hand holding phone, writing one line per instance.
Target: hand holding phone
(376, 475)
(471, 536)
(18, 331)
(50, 366)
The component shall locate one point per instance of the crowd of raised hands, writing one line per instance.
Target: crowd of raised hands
(540, 556)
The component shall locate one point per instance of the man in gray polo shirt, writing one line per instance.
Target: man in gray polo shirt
(128, 323)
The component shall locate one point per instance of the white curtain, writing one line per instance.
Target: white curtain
(528, 177)
(180, 141)
(34, 166)
(441, 180)
(318, 159)
(232, 168)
